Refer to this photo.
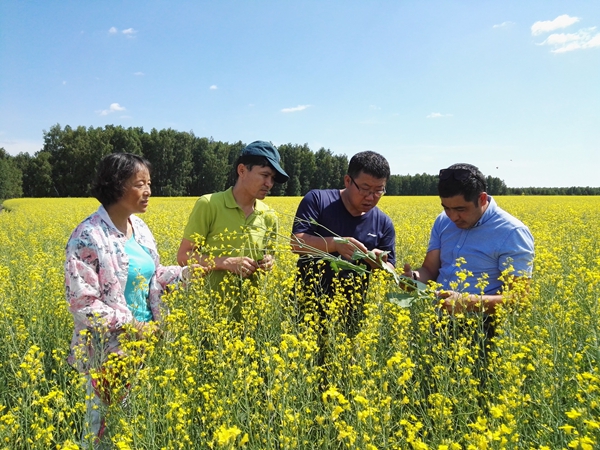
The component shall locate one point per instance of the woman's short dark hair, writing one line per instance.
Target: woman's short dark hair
(370, 163)
(113, 172)
(462, 179)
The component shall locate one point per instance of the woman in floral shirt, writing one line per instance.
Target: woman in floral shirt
(113, 276)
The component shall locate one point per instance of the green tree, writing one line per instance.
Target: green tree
(39, 176)
(126, 140)
(496, 186)
(211, 166)
(170, 153)
(327, 174)
(299, 162)
(394, 185)
(74, 155)
(294, 187)
(11, 181)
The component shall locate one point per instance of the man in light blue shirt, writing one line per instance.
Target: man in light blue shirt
(472, 243)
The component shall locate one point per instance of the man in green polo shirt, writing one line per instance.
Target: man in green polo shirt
(230, 231)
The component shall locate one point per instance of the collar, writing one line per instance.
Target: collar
(106, 218)
(231, 203)
(229, 199)
(488, 213)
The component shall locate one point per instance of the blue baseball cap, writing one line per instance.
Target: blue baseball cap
(266, 149)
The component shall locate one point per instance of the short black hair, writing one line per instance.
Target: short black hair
(112, 173)
(250, 161)
(470, 186)
(370, 163)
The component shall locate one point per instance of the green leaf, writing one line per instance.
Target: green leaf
(402, 300)
(347, 265)
(388, 269)
(358, 254)
(409, 283)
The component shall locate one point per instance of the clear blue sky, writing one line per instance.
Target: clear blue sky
(510, 86)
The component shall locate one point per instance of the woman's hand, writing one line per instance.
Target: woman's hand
(194, 270)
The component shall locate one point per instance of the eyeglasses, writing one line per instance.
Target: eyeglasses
(457, 174)
(367, 192)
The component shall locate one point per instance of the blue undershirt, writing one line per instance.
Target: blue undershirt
(141, 270)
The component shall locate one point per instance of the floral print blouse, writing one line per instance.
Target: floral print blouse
(96, 270)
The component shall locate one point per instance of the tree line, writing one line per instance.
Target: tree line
(187, 165)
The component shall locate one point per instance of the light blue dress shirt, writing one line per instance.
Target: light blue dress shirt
(497, 241)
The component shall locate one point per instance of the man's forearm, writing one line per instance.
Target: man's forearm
(191, 256)
(457, 302)
(303, 244)
(482, 303)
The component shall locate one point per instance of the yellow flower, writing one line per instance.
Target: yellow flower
(226, 435)
(568, 429)
(573, 414)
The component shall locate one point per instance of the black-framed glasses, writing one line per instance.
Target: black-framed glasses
(367, 192)
(457, 174)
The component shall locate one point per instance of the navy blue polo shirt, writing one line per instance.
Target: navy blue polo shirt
(374, 228)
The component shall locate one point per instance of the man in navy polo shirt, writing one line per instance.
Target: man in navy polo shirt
(351, 213)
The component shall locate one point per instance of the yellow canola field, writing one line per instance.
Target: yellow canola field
(409, 379)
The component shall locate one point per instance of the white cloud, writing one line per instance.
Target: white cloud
(114, 107)
(550, 25)
(504, 24)
(296, 108)
(567, 42)
(374, 107)
(139, 74)
(594, 41)
(437, 115)
(129, 32)
(213, 87)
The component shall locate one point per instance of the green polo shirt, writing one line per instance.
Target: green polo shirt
(221, 228)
